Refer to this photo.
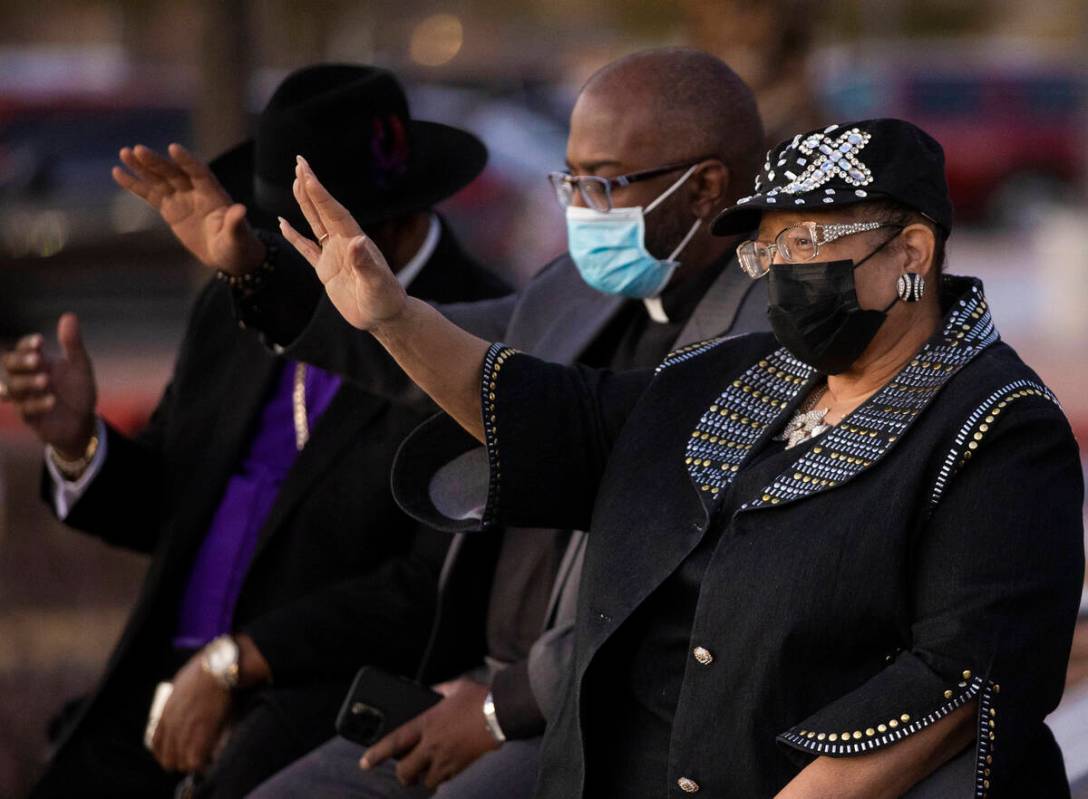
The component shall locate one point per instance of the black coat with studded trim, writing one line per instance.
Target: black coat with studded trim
(927, 553)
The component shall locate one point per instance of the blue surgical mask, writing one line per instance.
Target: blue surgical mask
(609, 248)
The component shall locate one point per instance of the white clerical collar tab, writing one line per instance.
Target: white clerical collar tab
(411, 270)
(656, 310)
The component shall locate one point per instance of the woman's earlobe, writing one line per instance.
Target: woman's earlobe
(919, 246)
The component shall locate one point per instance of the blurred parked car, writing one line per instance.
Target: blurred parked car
(56, 151)
(55, 159)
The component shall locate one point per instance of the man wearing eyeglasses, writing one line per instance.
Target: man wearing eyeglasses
(660, 142)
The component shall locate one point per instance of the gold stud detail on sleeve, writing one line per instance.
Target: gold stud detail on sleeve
(967, 674)
(905, 718)
(948, 694)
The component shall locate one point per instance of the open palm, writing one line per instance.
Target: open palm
(355, 274)
(194, 204)
(54, 394)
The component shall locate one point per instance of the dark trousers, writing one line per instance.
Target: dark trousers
(106, 758)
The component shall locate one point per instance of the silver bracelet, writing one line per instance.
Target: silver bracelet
(492, 720)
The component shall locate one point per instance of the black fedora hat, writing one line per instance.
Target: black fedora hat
(353, 125)
(846, 164)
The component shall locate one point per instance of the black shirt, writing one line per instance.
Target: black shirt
(651, 651)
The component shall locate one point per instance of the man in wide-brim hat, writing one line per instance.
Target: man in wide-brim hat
(279, 561)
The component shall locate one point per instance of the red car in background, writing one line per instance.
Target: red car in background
(1015, 137)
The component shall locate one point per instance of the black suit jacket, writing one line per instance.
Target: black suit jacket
(340, 576)
(924, 553)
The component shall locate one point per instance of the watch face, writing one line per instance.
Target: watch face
(222, 654)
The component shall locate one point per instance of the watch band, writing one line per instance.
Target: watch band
(491, 718)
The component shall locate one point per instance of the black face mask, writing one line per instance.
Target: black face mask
(814, 313)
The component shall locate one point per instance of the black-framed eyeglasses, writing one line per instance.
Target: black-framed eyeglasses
(596, 191)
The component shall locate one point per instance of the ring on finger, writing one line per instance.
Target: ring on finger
(322, 239)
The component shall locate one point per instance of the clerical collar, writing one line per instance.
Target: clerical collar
(678, 301)
(415, 265)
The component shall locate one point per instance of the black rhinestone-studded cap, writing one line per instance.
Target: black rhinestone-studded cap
(844, 164)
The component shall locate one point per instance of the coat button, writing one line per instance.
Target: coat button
(687, 785)
(702, 654)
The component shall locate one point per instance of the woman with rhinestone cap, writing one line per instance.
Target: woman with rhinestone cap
(843, 560)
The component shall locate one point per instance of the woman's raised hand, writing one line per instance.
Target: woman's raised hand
(356, 277)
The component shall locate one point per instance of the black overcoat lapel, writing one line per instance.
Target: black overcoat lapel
(340, 427)
(219, 434)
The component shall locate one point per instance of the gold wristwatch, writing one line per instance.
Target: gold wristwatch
(71, 470)
(220, 659)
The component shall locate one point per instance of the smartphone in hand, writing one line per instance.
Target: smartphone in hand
(379, 702)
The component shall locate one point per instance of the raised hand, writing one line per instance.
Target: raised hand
(439, 357)
(194, 204)
(353, 270)
(55, 396)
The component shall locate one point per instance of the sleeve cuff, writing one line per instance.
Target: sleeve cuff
(442, 476)
(439, 476)
(905, 698)
(497, 355)
(66, 493)
(282, 303)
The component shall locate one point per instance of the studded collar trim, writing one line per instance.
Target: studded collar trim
(755, 404)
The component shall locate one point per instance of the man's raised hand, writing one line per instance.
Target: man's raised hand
(353, 270)
(54, 394)
(194, 204)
